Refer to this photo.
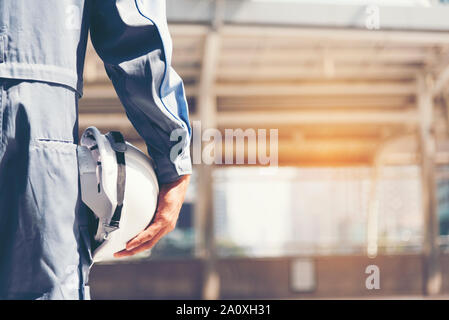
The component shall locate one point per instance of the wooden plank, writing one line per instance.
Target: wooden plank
(318, 35)
(304, 89)
(264, 71)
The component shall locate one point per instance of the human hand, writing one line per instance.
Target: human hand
(170, 199)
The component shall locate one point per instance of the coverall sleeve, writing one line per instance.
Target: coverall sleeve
(136, 51)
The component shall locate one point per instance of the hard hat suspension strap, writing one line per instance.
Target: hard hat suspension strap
(119, 146)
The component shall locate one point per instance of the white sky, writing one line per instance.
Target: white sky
(425, 3)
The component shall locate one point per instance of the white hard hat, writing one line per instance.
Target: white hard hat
(119, 185)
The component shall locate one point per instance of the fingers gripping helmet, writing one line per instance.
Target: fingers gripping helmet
(119, 185)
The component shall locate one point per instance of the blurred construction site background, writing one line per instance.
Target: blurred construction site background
(359, 204)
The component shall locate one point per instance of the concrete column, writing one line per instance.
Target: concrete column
(432, 273)
(372, 223)
(204, 219)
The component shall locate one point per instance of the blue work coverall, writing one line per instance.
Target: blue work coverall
(44, 238)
